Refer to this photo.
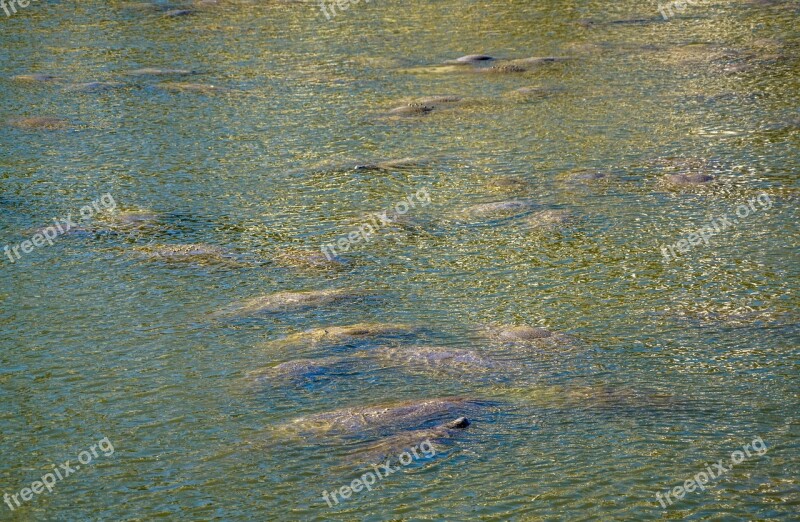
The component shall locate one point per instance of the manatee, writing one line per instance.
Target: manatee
(411, 110)
(521, 65)
(696, 178)
(539, 60)
(549, 219)
(497, 209)
(591, 397)
(694, 54)
(528, 335)
(681, 163)
(536, 92)
(636, 21)
(507, 68)
(288, 302)
(35, 78)
(309, 259)
(436, 358)
(426, 105)
(472, 59)
(48, 123)
(583, 176)
(124, 221)
(175, 13)
(508, 185)
(392, 164)
(521, 333)
(395, 416)
(393, 446)
(186, 253)
(298, 369)
(437, 100)
(151, 71)
(95, 86)
(192, 87)
(352, 333)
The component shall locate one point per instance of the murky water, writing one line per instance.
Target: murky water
(671, 365)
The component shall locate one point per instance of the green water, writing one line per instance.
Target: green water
(699, 355)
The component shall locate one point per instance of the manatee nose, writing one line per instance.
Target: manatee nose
(459, 423)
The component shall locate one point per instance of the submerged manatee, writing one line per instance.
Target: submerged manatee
(496, 210)
(411, 110)
(352, 333)
(201, 88)
(583, 176)
(35, 78)
(394, 445)
(536, 92)
(401, 163)
(548, 220)
(133, 221)
(175, 13)
(186, 253)
(594, 397)
(152, 71)
(537, 337)
(48, 123)
(688, 178)
(298, 369)
(436, 359)
(287, 302)
(508, 185)
(369, 419)
(95, 86)
(309, 259)
(426, 105)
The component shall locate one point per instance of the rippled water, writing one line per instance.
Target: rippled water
(674, 365)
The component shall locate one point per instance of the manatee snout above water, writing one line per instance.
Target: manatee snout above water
(394, 445)
(471, 59)
(371, 419)
(426, 105)
(411, 110)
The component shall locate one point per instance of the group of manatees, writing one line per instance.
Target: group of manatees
(495, 353)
